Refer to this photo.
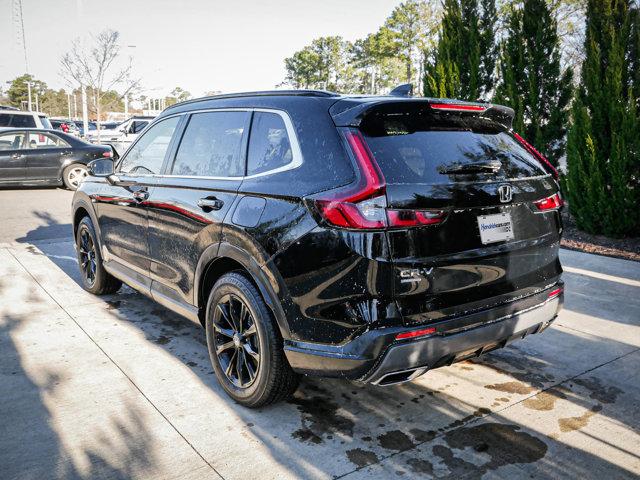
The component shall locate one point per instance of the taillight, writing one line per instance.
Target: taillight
(107, 154)
(550, 203)
(555, 293)
(546, 164)
(363, 206)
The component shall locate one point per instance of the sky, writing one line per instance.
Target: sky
(198, 45)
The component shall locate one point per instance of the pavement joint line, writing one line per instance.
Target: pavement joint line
(493, 413)
(118, 367)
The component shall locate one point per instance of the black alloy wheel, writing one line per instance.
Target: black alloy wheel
(236, 340)
(87, 257)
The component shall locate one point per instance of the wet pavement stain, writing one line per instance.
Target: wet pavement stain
(319, 416)
(162, 340)
(422, 436)
(544, 401)
(420, 466)
(599, 392)
(361, 457)
(512, 387)
(395, 440)
(571, 424)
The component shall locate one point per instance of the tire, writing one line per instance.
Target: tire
(95, 279)
(73, 175)
(257, 334)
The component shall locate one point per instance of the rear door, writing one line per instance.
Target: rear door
(492, 245)
(45, 156)
(12, 157)
(189, 204)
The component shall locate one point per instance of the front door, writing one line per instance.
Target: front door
(189, 204)
(12, 157)
(122, 203)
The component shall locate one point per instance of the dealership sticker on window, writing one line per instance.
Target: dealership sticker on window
(495, 228)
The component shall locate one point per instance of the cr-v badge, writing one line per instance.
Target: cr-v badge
(504, 191)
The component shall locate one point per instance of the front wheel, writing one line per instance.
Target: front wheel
(73, 175)
(244, 344)
(95, 279)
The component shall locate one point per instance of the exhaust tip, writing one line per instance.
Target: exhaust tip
(395, 378)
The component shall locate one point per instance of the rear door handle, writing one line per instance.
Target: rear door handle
(210, 203)
(141, 194)
(17, 156)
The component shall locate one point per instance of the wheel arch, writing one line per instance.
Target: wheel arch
(223, 258)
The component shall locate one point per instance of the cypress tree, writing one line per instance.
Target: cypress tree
(532, 81)
(464, 61)
(603, 157)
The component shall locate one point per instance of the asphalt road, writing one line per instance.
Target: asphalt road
(34, 214)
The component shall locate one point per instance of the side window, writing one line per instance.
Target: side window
(212, 145)
(17, 121)
(12, 141)
(5, 119)
(269, 145)
(137, 126)
(44, 140)
(147, 154)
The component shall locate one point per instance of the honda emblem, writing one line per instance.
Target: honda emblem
(505, 194)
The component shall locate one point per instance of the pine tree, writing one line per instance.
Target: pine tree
(464, 61)
(603, 157)
(532, 81)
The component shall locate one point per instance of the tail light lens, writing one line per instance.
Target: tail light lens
(107, 154)
(363, 205)
(415, 333)
(546, 164)
(550, 203)
(555, 293)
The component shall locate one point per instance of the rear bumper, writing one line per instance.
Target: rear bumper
(377, 357)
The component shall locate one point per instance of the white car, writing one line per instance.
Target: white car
(19, 119)
(122, 135)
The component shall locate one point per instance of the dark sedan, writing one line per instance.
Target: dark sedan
(32, 157)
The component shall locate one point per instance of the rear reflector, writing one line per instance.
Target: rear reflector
(550, 203)
(415, 333)
(555, 293)
(457, 107)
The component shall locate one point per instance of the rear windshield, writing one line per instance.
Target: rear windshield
(426, 149)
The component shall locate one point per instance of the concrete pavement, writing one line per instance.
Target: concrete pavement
(119, 387)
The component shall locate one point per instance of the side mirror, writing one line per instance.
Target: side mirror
(102, 167)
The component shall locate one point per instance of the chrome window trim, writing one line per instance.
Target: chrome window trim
(296, 152)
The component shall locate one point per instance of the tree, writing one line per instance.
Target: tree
(177, 95)
(97, 68)
(18, 90)
(532, 81)
(409, 31)
(603, 152)
(464, 61)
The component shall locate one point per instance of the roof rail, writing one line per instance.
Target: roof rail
(263, 93)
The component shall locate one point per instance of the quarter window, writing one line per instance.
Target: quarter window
(212, 145)
(269, 144)
(147, 154)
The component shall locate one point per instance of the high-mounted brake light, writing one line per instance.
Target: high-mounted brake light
(549, 203)
(458, 107)
(415, 333)
(546, 164)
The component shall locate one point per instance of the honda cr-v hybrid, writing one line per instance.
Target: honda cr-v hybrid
(369, 238)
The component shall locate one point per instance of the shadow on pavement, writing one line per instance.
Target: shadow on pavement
(426, 429)
(51, 230)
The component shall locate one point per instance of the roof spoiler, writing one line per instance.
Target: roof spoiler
(404, 90)
(350, 112)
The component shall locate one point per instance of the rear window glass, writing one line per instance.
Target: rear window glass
(269, 145)
(411, 149)
(212, 145)
(18, 121)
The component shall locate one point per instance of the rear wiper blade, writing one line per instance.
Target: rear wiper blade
(463, 168)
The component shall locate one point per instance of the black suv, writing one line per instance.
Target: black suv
(368, 238)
